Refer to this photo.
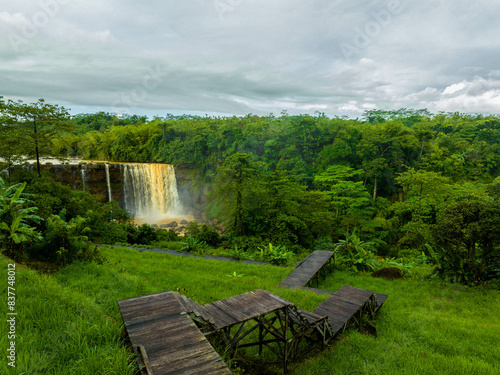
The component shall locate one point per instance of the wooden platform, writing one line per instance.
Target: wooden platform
(242, 308)
(309, 269)
(167, 330)
(347, 305)
(170, 339)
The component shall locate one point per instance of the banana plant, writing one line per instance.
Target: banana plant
(15, 218)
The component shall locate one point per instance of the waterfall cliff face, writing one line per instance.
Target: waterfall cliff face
(150, 190)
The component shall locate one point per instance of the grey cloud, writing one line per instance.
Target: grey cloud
(256, 56)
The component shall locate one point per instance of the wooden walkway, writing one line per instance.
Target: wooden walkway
(311, 268)
(347, 306)
(280, 324)
(167, 330)
(166, 339)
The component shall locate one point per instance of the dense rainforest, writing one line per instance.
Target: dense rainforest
(401, 183)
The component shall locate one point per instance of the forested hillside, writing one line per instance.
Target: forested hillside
(396, 182)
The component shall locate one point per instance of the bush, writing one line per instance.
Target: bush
(167, 235)
(65, 242)
(208, 235)
(192, 245)
(245, 243)
(275, 254)
(355, 254)
(146, 234)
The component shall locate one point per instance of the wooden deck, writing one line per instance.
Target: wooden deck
(244, 307)
(167, 330)
(169, 340)
(347, 305)
(311, 268)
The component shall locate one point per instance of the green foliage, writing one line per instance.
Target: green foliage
(239, 253)
(208, 235)
(33, 125)
(234, 275)
(146, 234)
(233, 182)
(355, 254)
(192, 245)
(167, 235)
(468, 240)
(351, 203)
(277, 255)
(16, 219)
(262, 170)
(65, 242)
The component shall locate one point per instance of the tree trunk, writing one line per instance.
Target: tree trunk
(375, 189)
(37, 159)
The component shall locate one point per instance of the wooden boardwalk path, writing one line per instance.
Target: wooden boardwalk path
(167, 330)
(166, 339)
(312, 267)
(347, 305)
(280, 324)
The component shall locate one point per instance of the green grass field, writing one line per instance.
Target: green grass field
(69, 322)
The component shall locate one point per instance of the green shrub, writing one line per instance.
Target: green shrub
(65, 242)
(245, 243)
(146, 234)
(238, 253)
(355, 254)
(208, 235)
(192, 245)
(167, 235)
(275, 254)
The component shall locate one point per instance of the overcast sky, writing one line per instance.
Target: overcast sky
(235, 57)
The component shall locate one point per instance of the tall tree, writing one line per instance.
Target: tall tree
(349, 198)
(36, 123)
(235, 179)
(385, 149)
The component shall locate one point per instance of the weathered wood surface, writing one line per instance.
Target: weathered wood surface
(344, 305)
(310, 268)
(241, 308)
(173, 343)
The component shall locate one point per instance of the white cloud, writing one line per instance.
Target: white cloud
(454, 88)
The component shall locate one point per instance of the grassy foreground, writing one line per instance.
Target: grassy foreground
(69, 323)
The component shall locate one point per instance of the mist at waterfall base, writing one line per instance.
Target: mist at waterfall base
(150, 194)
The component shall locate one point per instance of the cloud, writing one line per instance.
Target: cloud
(256, 57)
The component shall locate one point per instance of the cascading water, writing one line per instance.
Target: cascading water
(150, 190)
(83, 171)
(108, 183)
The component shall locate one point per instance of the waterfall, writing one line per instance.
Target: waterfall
(108, 183)
(150, 190)
(83, 171)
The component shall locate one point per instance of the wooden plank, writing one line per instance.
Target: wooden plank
(170, 339)
(243, 307)
(308, 269)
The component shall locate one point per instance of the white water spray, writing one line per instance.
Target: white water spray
(150, 190)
